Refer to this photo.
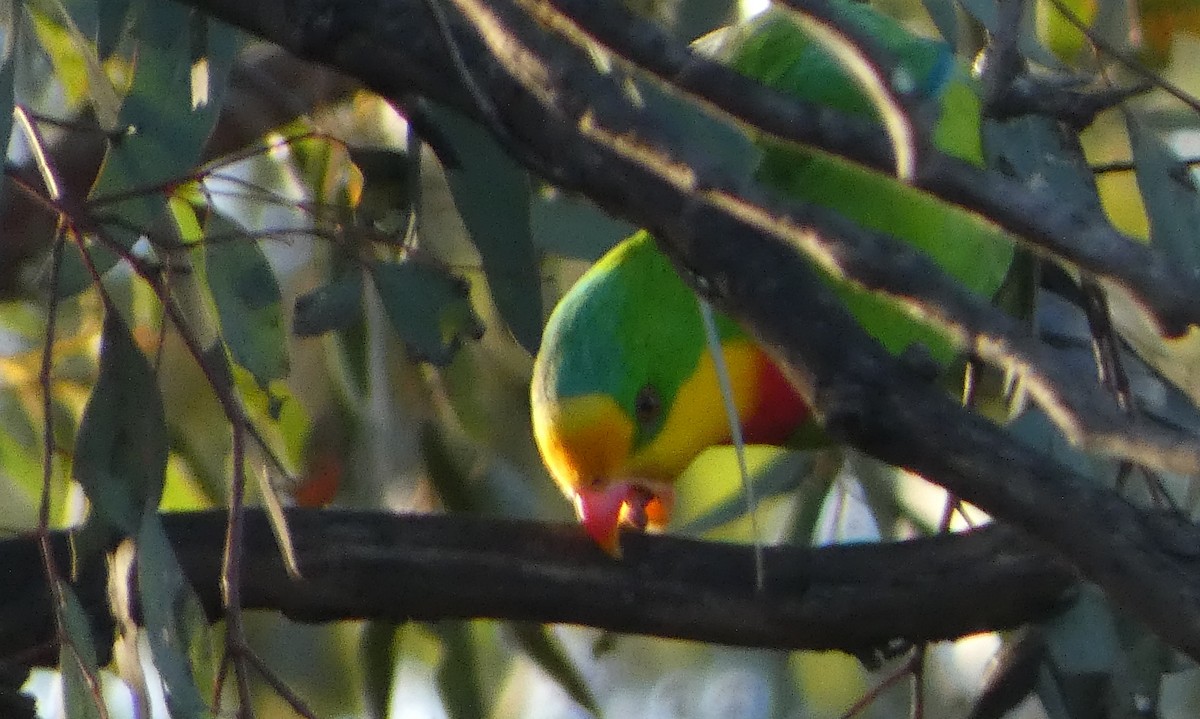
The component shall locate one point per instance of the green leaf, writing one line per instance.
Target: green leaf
(726, 147)
(427, 306)
(74, 276)
(169, 111)
(75, 62)
(492, 194)
(459, 680)
(572, 226)
(1169, 196)
(82, 698)
(336, 305)
(176, 626)
(544, 648)
(694, 18)
(181, 74)
(249, 303)
(387, 176)
(7, 77)
(944, 15)
(121, 448)
(378, 654)
(111, 22)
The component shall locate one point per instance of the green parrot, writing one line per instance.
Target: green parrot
(625, 393)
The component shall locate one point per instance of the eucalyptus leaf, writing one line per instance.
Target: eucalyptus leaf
(121, 447)
(944, 14)
(74, 275)
(378, 654)
(545, 648)
(387, 184)
(573, 227)
(77, 661)
(112, 21)
(428, 307)
(167, 115)
(335, 305)
(694, 18)
(1169, 196)
(492, 194)
(458, 673)
(248, 299)
(175, 623)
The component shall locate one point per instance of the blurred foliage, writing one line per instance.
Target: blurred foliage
(370, 302)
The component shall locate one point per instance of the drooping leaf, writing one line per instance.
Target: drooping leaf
(1172, 204)
(248, 299)
(458, 673)
(111, 22)
(694, 18)
(427, 306)
(121, 448)
(378, 653)
(335, 305)
(387, 195)
(573, 227)
(74, 275)
(1170, 196)
(82, 698)
(544, 648)
(945, 18)
(175, 623)
(169, 109)
(76, 64)
(179, 82)
(7, 78)
(726, 147)
(492, 194)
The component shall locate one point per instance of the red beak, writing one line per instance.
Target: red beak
(603, 510)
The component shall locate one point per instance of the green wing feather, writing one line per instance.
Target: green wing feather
(778, 53)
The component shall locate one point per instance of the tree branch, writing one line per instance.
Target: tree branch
(362, 565)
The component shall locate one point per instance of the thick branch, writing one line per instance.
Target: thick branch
(361, 565)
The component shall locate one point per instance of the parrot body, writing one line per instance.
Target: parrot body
(624, 392)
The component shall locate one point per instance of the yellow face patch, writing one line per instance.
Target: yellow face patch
(582, 439)
(697, 419)
(589, 439)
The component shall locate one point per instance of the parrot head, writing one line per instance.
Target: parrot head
(625, 393)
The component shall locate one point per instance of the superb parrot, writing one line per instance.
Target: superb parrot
(625, 393)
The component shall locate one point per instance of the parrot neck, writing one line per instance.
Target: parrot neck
(779, 410)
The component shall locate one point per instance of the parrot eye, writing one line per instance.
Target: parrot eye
(647, 406)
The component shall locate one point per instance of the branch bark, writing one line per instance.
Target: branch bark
(362, 565)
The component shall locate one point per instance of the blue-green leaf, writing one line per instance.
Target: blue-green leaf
(176, 626)
(545, 648)
(492, 194)
(332, 306)
(77, 661)
(249, 302)
(1169, 195)
(427, 306)
(121, 448)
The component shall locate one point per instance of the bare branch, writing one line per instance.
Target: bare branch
(363, 565)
